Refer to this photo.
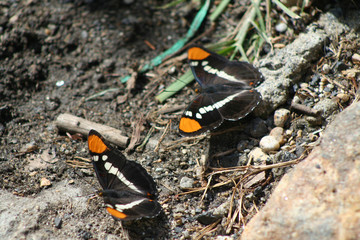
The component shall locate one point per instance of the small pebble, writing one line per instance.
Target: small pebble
(281, 116)
(326, 68)
(258, 156)
(58, 222)
(299, 133)
(222, 209)
(281, 27)
(314, 121)
(186, 183)
(343, 97)
(241, 146)
(207, 218)
(258, 128)
(84, 34)
(330, 86)
(278, 134)
(44, 182)
(356, 59)
(304, 85)
(269, 143)
(60, 83)
(29, 147)
(172, 70)
(219, 237)
(288, 133)
(326, 107)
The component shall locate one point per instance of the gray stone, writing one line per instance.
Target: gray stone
(286, 66)
(20, 219)
(326, 107)
(186, 183)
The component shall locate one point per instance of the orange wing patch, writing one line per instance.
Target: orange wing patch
(116, 213)
(96, 144)
(189, 125)
(197, 53)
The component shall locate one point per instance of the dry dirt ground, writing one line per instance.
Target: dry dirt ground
(56, 55)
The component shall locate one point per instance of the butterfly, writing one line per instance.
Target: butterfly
(227, 91)
(129, 192)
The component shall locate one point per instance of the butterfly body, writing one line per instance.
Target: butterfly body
(129, 192)
(227, 91)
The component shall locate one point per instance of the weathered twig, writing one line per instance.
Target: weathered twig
(70, 123)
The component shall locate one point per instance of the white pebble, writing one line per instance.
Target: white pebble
(281, 27)
(269, 143)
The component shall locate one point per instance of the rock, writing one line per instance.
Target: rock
(281, 27)
(284, 67)
(44, 182)
(343, 97)
(269, 143)
(186, 183)
(221, 210)
(281, 116)
(278, 134)
(258, 156)
(224, 238)
(319, 198)
(258, 128)
(21, 220)
(314, 121)
(207, 218)
(58, 222)
(326, 68)
(355, 59)
(326, 107)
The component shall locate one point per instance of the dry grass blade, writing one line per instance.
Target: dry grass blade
(168, 126)
(207, 230)
(251, 171)
(135, 137)
(146, 139)
(179, 142)
(80, 162)
(206, 188)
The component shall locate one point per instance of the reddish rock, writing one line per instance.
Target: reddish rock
(320, 197)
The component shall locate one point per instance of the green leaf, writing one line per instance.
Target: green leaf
(176, 86)
(285, 9)
(199, 18)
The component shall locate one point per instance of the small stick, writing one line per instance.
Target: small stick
(168, 125)
(304, 109)
(70, 123)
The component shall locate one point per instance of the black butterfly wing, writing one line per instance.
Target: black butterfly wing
(229, 84)
(129, 191)
(235, 103)
(200, 116)
(210, 68)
